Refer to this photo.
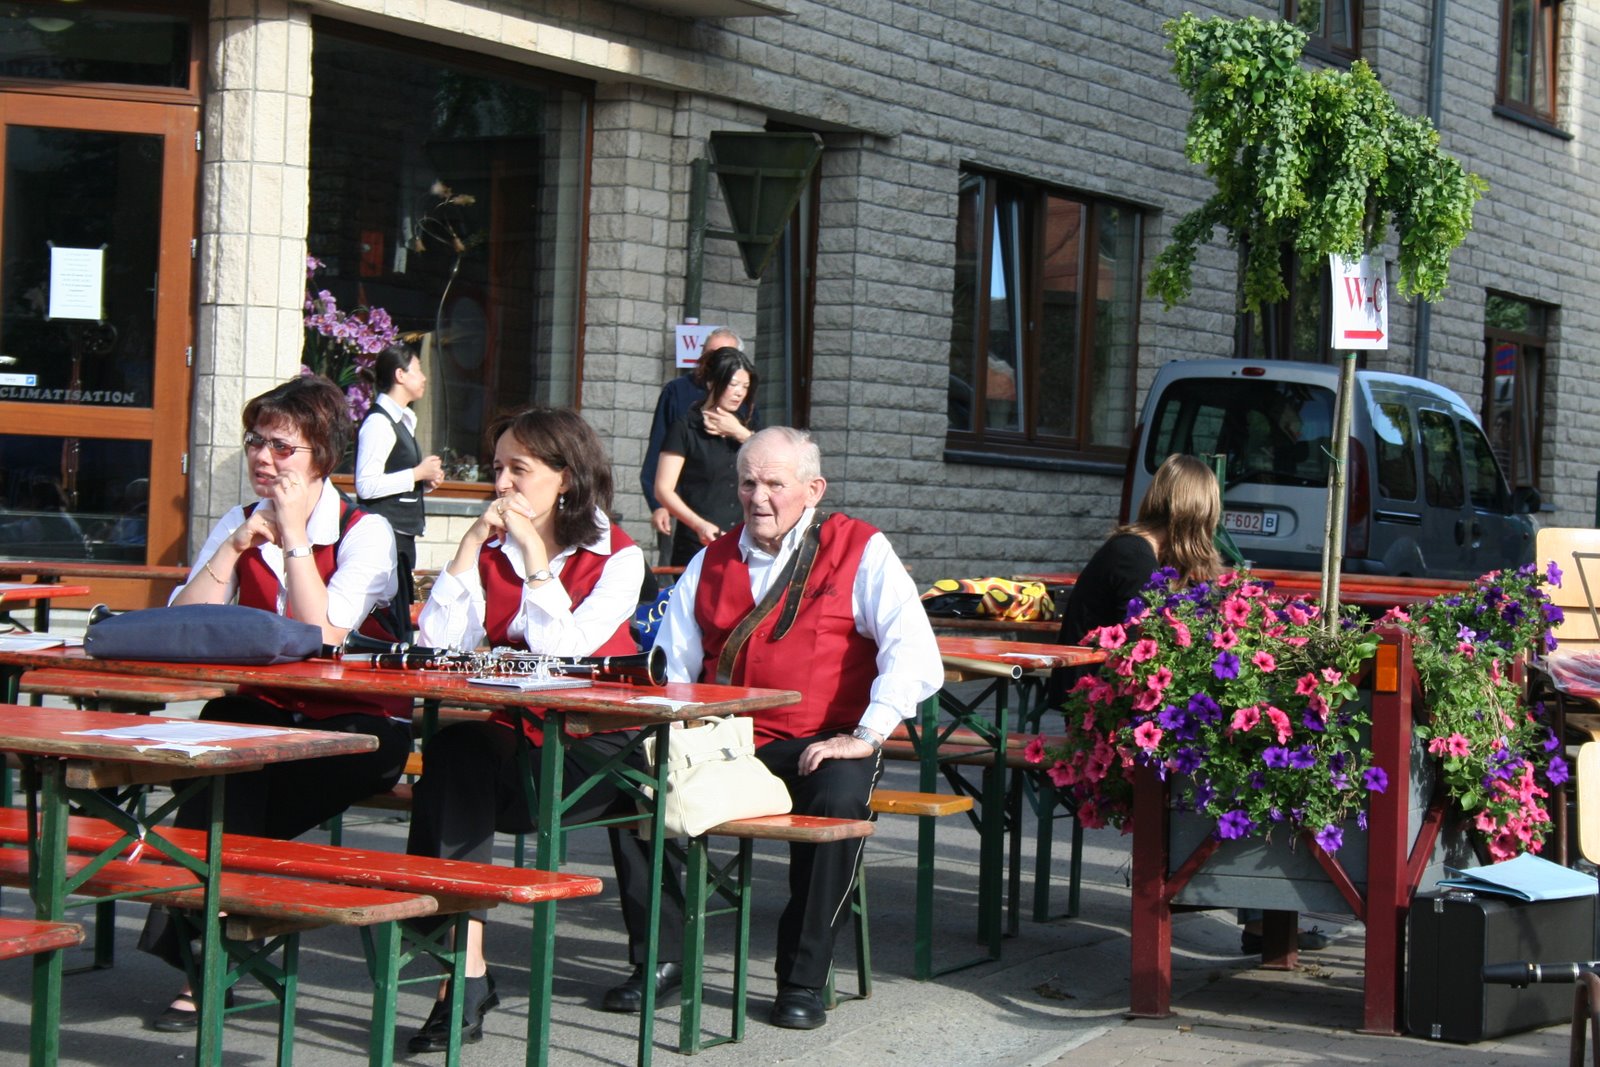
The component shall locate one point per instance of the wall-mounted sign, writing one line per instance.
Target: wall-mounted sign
(77, 283)
(689, 339)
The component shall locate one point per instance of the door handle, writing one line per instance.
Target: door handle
(1461, 531)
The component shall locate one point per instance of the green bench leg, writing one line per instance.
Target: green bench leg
(1048, 807)
(703, 881)
(858, 915)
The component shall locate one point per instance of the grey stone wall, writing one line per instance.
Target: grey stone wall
(1074, 93)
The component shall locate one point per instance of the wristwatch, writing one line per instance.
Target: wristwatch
(861, 733)
(296, 553)
(543, 574)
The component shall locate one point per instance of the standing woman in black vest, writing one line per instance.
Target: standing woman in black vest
(392, 474)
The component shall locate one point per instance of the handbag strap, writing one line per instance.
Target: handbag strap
(786, 589)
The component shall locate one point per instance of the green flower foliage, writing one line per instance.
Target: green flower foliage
(1321, 160)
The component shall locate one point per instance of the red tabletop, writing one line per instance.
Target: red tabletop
(28, 592)
(613, 701)
(50, 569)
(217, 748)
(977, 624)
(1029, 655)
(1379, 592)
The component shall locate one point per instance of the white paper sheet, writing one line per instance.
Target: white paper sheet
(665, 702)
(182, 732)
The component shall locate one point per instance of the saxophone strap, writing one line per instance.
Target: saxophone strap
(788, 589)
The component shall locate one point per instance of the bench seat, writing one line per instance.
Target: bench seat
(26, 937)
(113, 691)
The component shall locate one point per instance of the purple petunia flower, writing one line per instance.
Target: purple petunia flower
(1225, 666)
(1312, 721)
(1276, 757)
(1258, 781)
(1361, 819)
(1234, 825)
(1553, 614)
(1186, 760)
(1170, 718)
(1330, 837)
(1552, 574)
(1376, 779)
(1303, 758)
(1551, 741)
(1557, 771)
(1337, 761)
(1202, 707)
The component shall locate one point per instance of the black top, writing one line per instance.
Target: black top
(708, 483)
(403, 510)
(1114, 575)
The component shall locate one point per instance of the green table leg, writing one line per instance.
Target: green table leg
(208, 1039)
(548, 858)
(49, 893)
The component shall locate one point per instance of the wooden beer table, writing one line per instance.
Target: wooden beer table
(564, 714)
(72, 754)
(952, 733)
(39, 594)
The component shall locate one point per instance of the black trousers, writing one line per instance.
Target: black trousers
(284, 800)
(405, 547)
(820, 876)
(471, 787)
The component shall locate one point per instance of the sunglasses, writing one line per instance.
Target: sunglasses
(280, 448)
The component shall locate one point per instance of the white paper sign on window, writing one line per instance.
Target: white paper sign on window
(77, 283)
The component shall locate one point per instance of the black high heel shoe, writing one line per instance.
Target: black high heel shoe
(435, 1033)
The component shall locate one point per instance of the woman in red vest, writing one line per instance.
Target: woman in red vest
(543, 569)
(304, 550)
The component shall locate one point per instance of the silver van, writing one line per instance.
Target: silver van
(1426, 494)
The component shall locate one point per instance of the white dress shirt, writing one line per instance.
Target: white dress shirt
(374, 442)
(364, 574)
(883, 600)
(546, 622)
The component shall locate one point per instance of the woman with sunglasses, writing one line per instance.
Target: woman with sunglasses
(300, 549)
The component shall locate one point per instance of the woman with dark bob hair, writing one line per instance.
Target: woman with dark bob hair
(697, 478)
(544, 569)
(300, 549)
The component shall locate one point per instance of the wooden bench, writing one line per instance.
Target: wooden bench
(113, 692)
(258, 906)
(28, 937)
(733, 882)
(456, 887)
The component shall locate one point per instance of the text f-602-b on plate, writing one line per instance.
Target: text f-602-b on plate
(1250, 522)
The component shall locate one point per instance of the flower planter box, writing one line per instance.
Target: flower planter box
(1282, 874)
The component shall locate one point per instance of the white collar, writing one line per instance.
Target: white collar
(322, 527)
(395, 411)
(790, 541)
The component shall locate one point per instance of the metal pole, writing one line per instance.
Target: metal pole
(1333, 541)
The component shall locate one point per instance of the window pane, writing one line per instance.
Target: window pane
(1441, 472)
(964, 342)
(61, 42)
(1396, 452)
(83, 211)
(1487, 488)
(1519, 34)
(1060, 265)
(1003, 375)
(782, 319)
(1273, 433)
(73, 498)
(1116, 292)
(457, 210)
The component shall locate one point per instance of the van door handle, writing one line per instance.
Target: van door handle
(1461, 531)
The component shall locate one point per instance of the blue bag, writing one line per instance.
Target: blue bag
(646, 623)
(203, 633)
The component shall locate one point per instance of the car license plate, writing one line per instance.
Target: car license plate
(1264, 523)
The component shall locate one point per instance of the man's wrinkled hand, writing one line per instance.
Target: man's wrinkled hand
(842, 747)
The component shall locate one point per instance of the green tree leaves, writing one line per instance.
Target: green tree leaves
(1322, 160)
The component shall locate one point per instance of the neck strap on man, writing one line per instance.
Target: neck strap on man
(789, 587)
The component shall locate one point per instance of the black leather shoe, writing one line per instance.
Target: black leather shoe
(629, 996)
(176, 1020)
(798, 1007)
(435, 1033)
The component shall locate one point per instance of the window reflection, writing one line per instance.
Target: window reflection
(454, 203)
(64, 498)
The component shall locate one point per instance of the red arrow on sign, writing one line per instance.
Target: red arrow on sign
(1363, 335)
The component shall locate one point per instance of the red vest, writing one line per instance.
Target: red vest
(258, 588)
(822, 655)
(502, 598)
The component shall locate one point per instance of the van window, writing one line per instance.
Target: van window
(1273, 433)
(1396, 445)
(1441, 459)
(1484, 482)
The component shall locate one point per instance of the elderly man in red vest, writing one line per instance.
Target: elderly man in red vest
(799, 599)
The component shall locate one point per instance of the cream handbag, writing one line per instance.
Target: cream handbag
(713, 775)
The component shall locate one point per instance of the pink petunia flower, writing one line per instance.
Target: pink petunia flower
(1306, 685)
(1147, 735)
(1144, 650)
(1246, 719)
(1264, 661)
(1112, 637)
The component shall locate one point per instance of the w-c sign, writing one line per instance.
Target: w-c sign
(1360, 302)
